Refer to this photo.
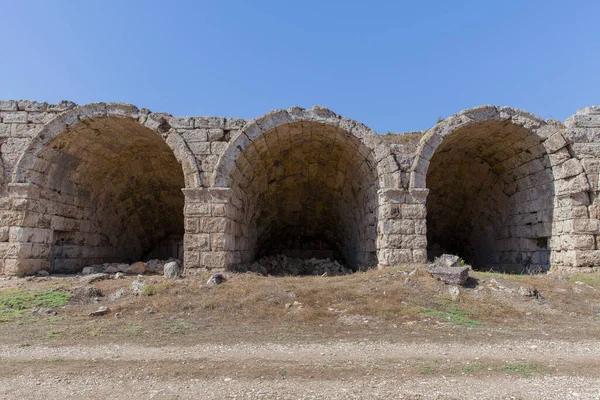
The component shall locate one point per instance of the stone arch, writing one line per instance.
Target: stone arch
(304, 183)
(156, 122)
(494, 176)
(102, 184)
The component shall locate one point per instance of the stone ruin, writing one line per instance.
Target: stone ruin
(111, 183)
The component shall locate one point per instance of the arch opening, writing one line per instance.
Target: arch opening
(111, 192)
(491, 195)
(306, 190)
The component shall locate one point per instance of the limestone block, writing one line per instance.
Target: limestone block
(9, 105)
(216, 260)
(555, 143)
(567, 169)
(16, 117)
(391, 257)
(419, 256)
(395, 226)
(199, 148)
(209, 122)
(585, 120)
(182, 122)
(218, 148)
(63, 105)
(34, 235)
(578, 183)
(197, 209)
(222, 242)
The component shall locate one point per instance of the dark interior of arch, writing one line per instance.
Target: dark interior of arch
(112, 190)
(306, 190)
(491, 198)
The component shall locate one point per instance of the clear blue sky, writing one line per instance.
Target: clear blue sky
(393, 65)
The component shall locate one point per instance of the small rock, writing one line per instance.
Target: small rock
(295, 306)
(42, 273)
(530, 291)
(447, 261)
(112, 269)
(450, 275)
(454, 292)
(137, 287)
(99, 312)
(150, 310)
(119, 294)
(172, 270)
(89, 270)
(216, 279)
(44, 311)
(85, 295)
(95, 277)
(138, 268)
(119, 275)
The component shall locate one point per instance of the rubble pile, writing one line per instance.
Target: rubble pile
(281, 265)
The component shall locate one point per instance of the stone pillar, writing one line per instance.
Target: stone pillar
(576, 228)
(209, 242)
(26, 235)
(402, 226)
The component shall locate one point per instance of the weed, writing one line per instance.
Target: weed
(525, 370)
(14, 303)
(156, 289)
(132, 329)
(51, 335)
(178, 327)
(452, 314)
(282, 372)
(427, 370)
(592, 279)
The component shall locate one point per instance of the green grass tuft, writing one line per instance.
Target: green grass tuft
(15, 303)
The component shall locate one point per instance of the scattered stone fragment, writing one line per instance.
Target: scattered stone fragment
(216, 279)
(42, 273)
(138, 268)
(119, 294)
(95, 277)
(85, 295)
(172, 270)
(281, 265)
(112, 269)
(530, 291)
(44, 311)
(294, 307)
(496, 286)
(119, 275)
(454, 292)
(137, 286)
(149, 310)
(99, 312)
(447, 261)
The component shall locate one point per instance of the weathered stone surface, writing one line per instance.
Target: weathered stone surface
(172, 270)
(138, 268)
(99, 312)
(216, 279)
(137, 287)
(449, 275)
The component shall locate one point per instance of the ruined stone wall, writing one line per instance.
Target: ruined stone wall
(111, 182)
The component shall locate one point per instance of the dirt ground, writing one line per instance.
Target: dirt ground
(391, 334)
